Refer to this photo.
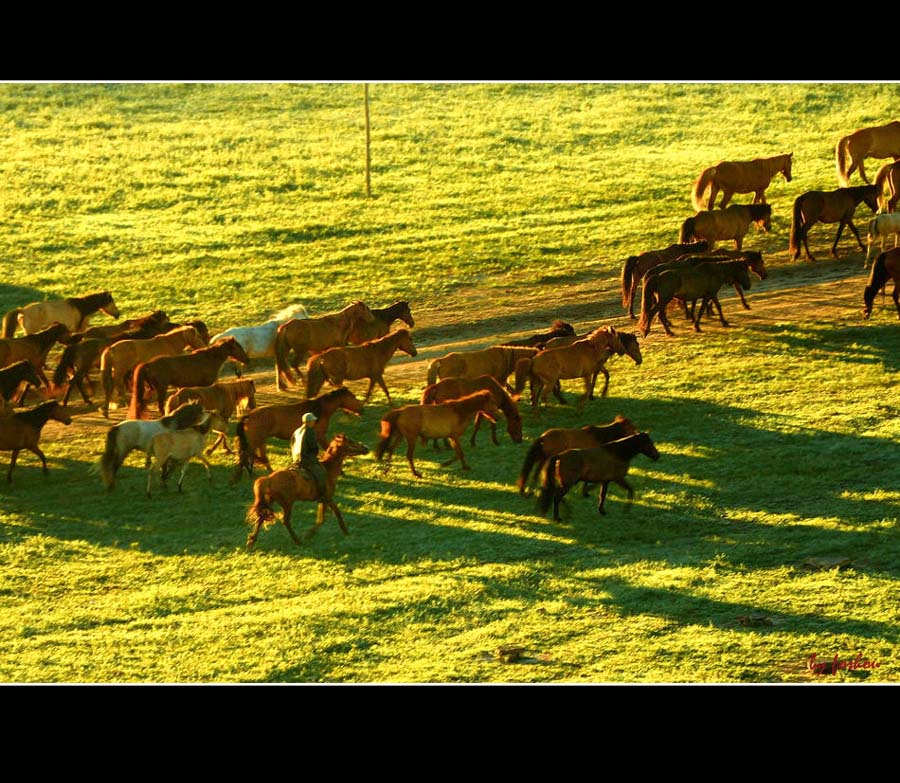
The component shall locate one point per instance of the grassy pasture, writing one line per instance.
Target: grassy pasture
(496, 209)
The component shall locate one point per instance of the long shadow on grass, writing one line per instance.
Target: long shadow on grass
(18, 296)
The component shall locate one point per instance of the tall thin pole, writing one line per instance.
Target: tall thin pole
(368, 148)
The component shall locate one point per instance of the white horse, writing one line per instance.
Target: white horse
(259, 341)
(882, 226)
(182, 446)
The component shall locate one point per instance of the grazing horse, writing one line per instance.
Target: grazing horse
(22, 430)
(752, 176)
(635, 267)
(285, 487)
(14, 376)
(689, 283)
(880, 141)
(280, 421)
(886, 266)
(731, 223)
(881, 226)
(888, 176)
(355, 362)
(73, 312)
(259, 341)
(455, 388)
(557, 329)
(557, 440)
(118, 361)
(182, 446)
(126, 436)
(150, 325)
(498, 362)
(223, 398)
(831, 206)
(445, 420)
(314, 335)
(599, 465)
(384, 317)
(33, 348)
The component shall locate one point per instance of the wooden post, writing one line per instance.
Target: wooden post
(368, 148)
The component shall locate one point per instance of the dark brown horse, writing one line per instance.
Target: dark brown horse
(280, 421)
(880, 141)
(886, 267)
(364, 331)
(22, 430)
(15, 377)
(888, 176)
(557, 329)
(285, 487)
(33, 348)
(150, 325)
(828, 206)
(600, 465)
(730, 223)
(557, 440)
(200, 368)
(456, 388)
(635, 267)
(72, 312)
(751, 176)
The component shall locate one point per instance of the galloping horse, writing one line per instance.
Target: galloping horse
(280, 421)
(882, 226)
(831, 206)
(498, 362)
(22, 430)
(557, 440)
(603, 464)
(557, 329)
(200, 368)
(285, 487)
(752, 176)
(355, 362)
(384, 317)
(888, 175)
(635, 267)
(313, 335)
(223, 398)
(731, 223)
(33, 348)
(886, 266)
(73, 312)
(14, 376)
(456, 388)
(445, 420)
(880, 141)
(259, 341)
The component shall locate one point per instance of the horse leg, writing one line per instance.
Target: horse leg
(458, 455)
(604, 486)
(862, 169)
(740, 293)
(207, 466)
(738, 242)
(713, 192)
(12, 464)
(631, 294)
(622, 483)
(333, 506)
(82, 387)
(410, 450)
(183, 471)
(557, 392)
(605, 382)
(856, 234)
(149, 474)
(664, 320)
(896, 297)
(839, 232)
(715, 300)
(699, 314)
(286, 521)
(726, 197)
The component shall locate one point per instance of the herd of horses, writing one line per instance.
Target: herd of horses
(178, 365)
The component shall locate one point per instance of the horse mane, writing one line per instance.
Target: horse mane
(39, 415)
(90, 303)
(627, 447)
(389, 313)
(183, 416)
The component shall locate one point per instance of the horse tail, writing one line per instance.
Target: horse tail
(109, 462)
(245, 454)
(647, 297)
(315, 375)
(879, 275)
(548, 484)
(261, 511)
(281, 360)
(66, 363)
(627, 274)
(687, 231)
(879, 182)
(433, 369)
(534, 454)
(138, 403)
(10, 322)
(796, 220)
(840, 153)
(700, 187)
(388, 425)
(106, 378)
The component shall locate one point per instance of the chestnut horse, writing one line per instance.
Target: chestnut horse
(22, 430)
(280, 421)
(751, 176)
(32, 348)
(557, 440)
(285, 487)
(73, 312)
(498, 362)
(888, 176)
(829, 206)
(355, 362)
(200, 368)
(445, 420)
(306, 335)
(880, 141)
(455, 388)
(599, 465)
(730, 223)
(635, 267)
(224, 398)
(384, 317)
(886, 266)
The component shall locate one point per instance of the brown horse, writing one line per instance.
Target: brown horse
(33, 348)
(355, 362)
(886, 266)
(15, 377)
(557, 440)
(600, 465)
(150, 325)
(73, 312)
(223, 398)
(305, 335)
(384, 317)
(445, 420)
(285, 487)
(118, 361)
(23, 431)
(557, 329)
(730, 223)
(880, 141)
(455, 388)
(280, 421)
(498, 362)
(751, 176)
(831, 206)
(888, 176)
(200, 368)
(635, 267)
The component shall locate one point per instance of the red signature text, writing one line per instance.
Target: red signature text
(836, 664)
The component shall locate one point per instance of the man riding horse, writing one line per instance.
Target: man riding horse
(305, 453)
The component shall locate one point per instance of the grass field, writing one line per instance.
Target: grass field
(766, 533)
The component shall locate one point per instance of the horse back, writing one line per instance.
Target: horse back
(593, 464)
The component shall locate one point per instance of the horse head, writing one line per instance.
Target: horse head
(342, 446)
(346, 400)
(756, 263)
(405, 315)
(235, 350)
(762, 215)
(627, 425)
(786, 169)
(109, 306)
(359, 310)
(647, 447)
(405, 343)
(632, 347)
(870, 196)
(59, 413)
(743, 276)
